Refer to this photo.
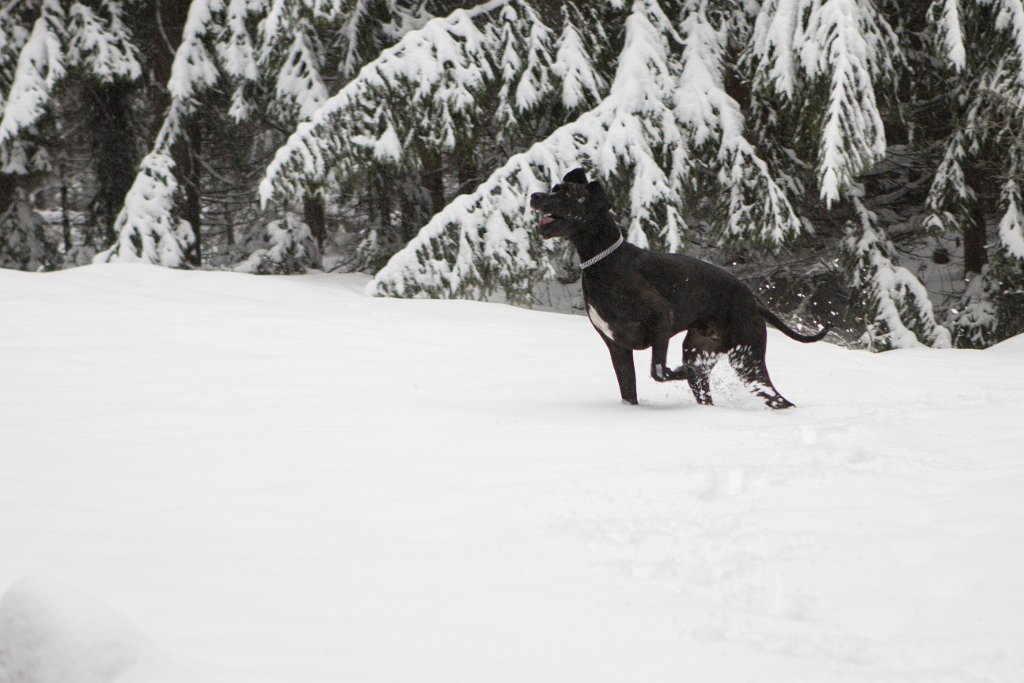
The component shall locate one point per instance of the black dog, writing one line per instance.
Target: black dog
(638, 299)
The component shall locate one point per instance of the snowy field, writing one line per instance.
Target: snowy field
(208, 476)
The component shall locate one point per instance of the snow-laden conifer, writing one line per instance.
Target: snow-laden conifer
(1007, 266)
(973, 320)
(949, 198)
(283, 246)
(150, 226)
(754, 208)
(985, 136)
(429, 78)
(24, 244)
(992, 305)
(100, 43)
(946, 17)
(582, 84)
(290, 57)
(363, 28)
(895, 305)
(825, 57)
(40, 66)
(15, 29)
(65, 38)
(476, 74)
(524, 63)
(95, 42)
(13, 34)
(238, 54)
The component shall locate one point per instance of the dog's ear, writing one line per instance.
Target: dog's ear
(598, 199)
(576, 175)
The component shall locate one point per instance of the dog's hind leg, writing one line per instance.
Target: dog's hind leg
(625, 371)
(701, 360)
(749, 365)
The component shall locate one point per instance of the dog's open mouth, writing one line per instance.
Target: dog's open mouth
(548, 219)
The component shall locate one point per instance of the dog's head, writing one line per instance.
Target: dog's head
(571, 206)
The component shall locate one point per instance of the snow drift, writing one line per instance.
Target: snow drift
(51, 633)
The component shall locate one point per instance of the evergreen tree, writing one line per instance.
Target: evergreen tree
(160, 218)
(53, 40)
(896, 308)
(420, 99)
(283, 247)
(24, 244)
(988, 106)
(277, 59)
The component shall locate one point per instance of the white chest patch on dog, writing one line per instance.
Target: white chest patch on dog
(599, 322)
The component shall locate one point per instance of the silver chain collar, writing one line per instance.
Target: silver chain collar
(591, 261)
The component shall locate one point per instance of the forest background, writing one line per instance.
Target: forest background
(855, 161)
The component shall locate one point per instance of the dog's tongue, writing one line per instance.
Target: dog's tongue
(547, 219)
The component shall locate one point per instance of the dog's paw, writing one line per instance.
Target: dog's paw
(684, 372)
(662, 374)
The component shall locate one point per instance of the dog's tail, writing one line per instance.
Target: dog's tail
(790, 332)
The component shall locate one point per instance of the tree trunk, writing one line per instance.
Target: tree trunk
(170, 21)
(114, 154)
(466, 173)
(432, 177)
(170, 16)
(975, 235)
(64, 220)
(186, 152)
(7, 186)
(975, 256)
(315, 216)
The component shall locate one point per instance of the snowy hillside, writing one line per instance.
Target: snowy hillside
(267, 479)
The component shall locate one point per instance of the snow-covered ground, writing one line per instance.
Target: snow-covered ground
(267, 479)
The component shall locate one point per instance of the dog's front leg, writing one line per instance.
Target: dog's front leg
(660, 371)
(625, 371)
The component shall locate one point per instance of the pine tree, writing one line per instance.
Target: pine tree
(988, 107)
(896, 308)
(40, 67)
(104, 50)
(291, 54)
(24, 244)
(277, 59)
(432, 76)
(754, 207)
(822, 67)
(53, 41)
(284, 246)
(159, 221)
